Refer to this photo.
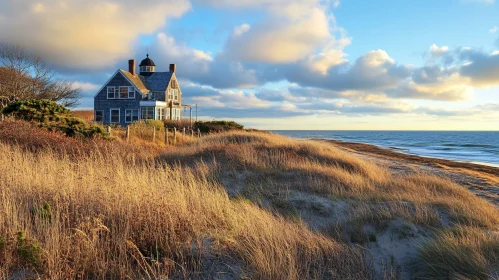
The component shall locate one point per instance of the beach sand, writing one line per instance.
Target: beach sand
(481, 179)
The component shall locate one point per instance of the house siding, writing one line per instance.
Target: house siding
(102, 103)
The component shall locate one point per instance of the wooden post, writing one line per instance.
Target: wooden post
(166, 135)
(109, 130)
(199, 133)
(3, 117)
(127, 133)
(153, 134)
(192, 133)
(183, 133)
(174, 135)
(190, 115)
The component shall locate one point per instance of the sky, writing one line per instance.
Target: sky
(284, 64)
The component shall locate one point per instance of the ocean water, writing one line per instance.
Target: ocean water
(469, 146)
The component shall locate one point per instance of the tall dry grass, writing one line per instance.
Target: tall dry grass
(104, 218)
(282, 163)
(99, 214)
(86, 115)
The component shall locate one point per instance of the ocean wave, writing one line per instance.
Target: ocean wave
(467, 145)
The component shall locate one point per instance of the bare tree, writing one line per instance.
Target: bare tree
(24, 75)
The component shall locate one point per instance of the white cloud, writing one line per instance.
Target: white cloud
(84, 86)
(38, 8)
(438, 51)
(493, 30)
(286, 35)
(83, 33)
(239, 30)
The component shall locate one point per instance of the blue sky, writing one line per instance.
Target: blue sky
(285, 64)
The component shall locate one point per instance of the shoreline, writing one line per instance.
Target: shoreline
(390, 153)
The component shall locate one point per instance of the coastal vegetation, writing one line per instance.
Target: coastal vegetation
(52, 116)
(232, 205)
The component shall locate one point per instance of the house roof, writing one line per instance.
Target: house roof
(157, 81)
(137, 80)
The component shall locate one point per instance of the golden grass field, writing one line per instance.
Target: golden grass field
(235, 205)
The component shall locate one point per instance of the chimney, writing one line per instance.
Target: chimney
(131, 66)
(173, 68)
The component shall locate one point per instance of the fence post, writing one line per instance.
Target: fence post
(153, 134)
(174, 135)
(127, 133)
(109, 130)
(166, 135)
(3, 117)
(199, 133)
(192, 133)
(183, 133)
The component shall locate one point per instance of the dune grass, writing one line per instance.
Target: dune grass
(310, 166)
(130, 210)
(99, 217)
(461, 253)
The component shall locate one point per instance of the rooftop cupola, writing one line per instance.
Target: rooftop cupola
(147, 66)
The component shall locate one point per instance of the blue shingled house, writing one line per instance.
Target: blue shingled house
(128, 97)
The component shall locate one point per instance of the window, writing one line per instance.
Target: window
(123, 92)
(131, 93)
(120, 93)
(174, 83)
(115, 115)
(173, 94)
(160, 113)
(167, 113)
(99, 116)
(111, 93)
(147, 69)
(147, 113)
(131, 115)
(175, 114)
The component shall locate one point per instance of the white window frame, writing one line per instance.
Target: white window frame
(132, 91)
(160, 113)
(114, 92)
(147, 68)
(119, 92)
(131, 116)
(111, 115)
(148, 107)
(129, 90)
(95, 116)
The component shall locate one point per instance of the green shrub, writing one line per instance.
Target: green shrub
(211, 126)
(44, 212)
(29, 250)
(53, 116)
(158, 124)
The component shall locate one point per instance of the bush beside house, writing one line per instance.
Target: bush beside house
(215, 126)
(53, 117)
